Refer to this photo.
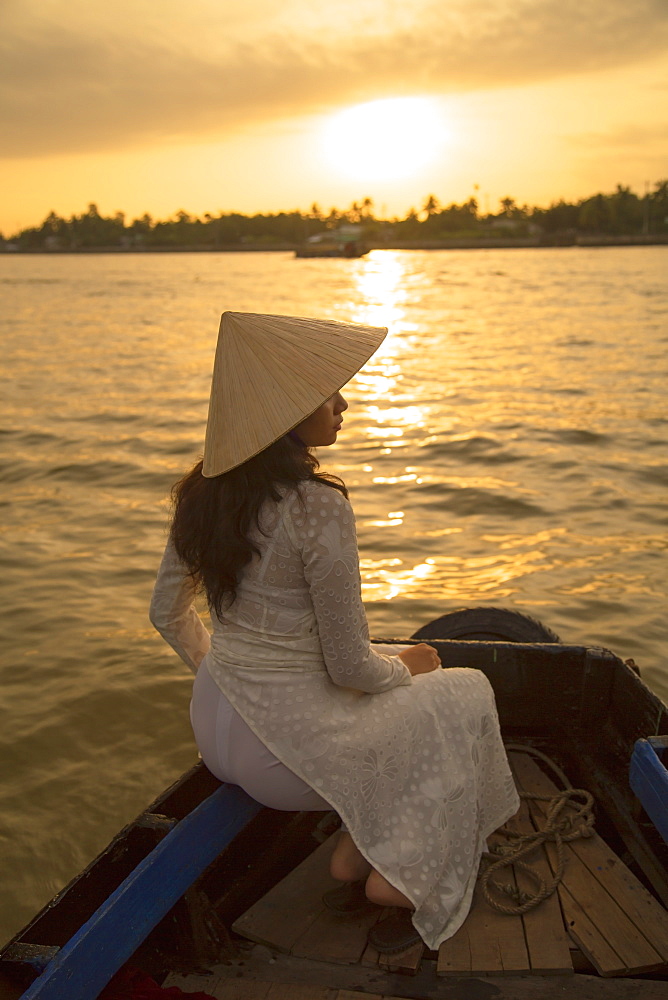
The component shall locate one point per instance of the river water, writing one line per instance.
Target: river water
(505, 447)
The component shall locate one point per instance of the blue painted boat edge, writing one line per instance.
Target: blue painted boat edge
(648, 779)
(84, 965)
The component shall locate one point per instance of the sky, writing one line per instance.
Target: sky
(257, 106)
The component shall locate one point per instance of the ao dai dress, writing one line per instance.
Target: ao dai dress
(415, 766)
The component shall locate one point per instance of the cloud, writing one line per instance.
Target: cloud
(86, 84)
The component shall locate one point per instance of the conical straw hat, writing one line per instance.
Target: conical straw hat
(272, 372)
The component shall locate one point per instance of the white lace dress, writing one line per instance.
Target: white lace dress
(414, 766)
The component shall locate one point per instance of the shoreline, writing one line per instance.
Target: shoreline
(539, 243)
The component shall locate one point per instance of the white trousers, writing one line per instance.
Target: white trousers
(233, 753)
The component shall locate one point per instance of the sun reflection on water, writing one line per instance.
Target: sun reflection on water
(394, 517)
(383, 581)
(380, 393)
(379, 297)
(381, 287)
(408, 477)
(454, 577)
(378, 384)
(413, 416)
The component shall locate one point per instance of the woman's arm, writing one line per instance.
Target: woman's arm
(173, 613)
(325, 534)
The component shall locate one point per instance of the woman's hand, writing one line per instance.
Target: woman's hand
(420, 659)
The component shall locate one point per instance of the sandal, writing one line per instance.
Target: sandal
(394, 934)
(347, 900)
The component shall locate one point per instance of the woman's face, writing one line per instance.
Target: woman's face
(322, 426)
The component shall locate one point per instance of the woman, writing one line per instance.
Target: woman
(290, 700)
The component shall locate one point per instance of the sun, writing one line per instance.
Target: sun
(385, 139)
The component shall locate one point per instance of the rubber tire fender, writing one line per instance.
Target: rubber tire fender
(488, 625)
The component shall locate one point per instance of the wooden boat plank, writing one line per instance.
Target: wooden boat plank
(646, 912)
(497, 941)
(329, 937)
(588, 937)
(484, 942)
(301, 991)
(508, 928)
(620, 805)
(405, 962)
(292, 918)
(547, 941)
(619, 935)
(488, 942)
(635, 952)
(638, 904)
(260, 965)
(608, 938)
(650, 715)
(454, 955)
(335, 939)
(356, 995)
(544, 931)
(240, 989)
(282, 916)
(369, 958)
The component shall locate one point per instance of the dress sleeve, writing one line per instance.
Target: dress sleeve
(173, 613)
(324, 530)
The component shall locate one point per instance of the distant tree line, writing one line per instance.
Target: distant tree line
(622, 213)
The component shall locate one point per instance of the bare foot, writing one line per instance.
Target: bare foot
(382, 892)
(347, 864)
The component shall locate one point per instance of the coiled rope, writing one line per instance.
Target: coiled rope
(569, 816)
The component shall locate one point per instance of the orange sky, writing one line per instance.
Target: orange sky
(214, 105)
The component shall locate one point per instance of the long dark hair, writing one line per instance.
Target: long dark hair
(213, 517)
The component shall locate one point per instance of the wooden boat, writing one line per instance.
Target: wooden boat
(206, 879)
(346, 241)
(351, 250)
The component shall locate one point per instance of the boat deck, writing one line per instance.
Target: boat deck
(598, 934)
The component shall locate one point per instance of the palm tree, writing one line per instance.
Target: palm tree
(366, 211)
(508, 205)
(431, 206)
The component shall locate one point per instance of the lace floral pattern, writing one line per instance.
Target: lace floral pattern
(415, 767)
